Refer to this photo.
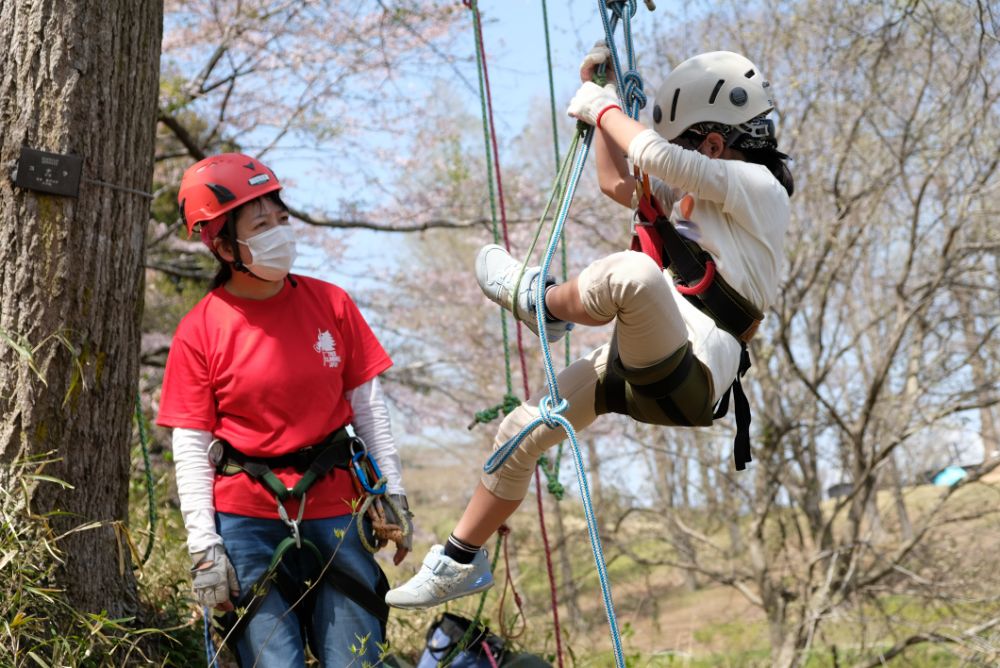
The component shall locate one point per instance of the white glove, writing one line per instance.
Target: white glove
(590, 100)
(599, 54)
(214, 578)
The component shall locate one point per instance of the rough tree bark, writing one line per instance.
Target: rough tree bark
(77, 77)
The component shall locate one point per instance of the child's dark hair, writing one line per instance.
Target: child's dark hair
(776, 163)
(228, 232)
(756, 141)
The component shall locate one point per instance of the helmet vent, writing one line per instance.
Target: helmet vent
(222, 193)
(673, 105)
(749, 74)
(657, 114)
(715, 91)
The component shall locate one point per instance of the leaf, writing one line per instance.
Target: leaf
(48, 478)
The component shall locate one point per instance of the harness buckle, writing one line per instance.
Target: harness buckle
(216, 453)
(293, 525)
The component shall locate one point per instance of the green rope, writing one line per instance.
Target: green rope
(509, 403)
(552, 86)
(508, 375)
(141, 420)
(463, 642)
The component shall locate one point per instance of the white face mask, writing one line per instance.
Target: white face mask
(273, 252)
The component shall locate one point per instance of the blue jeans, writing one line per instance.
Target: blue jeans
(273, 636)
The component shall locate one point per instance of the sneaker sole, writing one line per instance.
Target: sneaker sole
(424, 606)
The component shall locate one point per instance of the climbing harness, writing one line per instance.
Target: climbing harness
(696, 279)
(342, 450)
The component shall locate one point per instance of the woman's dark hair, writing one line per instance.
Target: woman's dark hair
(228, 232)
(775, 161)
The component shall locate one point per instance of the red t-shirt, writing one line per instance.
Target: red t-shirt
(269, 376)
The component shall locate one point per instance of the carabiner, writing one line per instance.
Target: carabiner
(359, 471)
(293, 525)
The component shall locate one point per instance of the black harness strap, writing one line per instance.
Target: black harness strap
(335, 451)
(730, 310)
(234, 625)
(741, 446)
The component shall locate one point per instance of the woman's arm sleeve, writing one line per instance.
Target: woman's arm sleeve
(371, 423)
(686, 170)
(195, 477)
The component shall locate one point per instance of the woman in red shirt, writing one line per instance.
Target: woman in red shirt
(266, 376)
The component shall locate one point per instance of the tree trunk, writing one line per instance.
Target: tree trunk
(77, 77)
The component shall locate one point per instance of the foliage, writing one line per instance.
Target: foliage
(40, 627)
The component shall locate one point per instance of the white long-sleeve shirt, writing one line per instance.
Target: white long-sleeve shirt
(196, 475)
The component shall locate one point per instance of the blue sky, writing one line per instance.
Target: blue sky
(514, 39)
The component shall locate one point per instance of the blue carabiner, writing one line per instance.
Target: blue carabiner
(363, 477)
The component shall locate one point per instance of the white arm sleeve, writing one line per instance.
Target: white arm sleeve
(371, 424)
(687, 170)
(195, 477)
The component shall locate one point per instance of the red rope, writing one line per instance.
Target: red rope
(504, 530)
(496, 168)
(473, 6)
(548, 566)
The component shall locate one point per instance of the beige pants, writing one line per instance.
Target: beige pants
(627, 286)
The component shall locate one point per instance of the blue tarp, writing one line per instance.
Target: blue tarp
(950, 476)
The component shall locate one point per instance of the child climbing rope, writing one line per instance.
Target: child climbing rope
(713, 167)
(265, 377)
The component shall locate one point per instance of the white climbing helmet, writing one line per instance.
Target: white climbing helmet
(719, 87)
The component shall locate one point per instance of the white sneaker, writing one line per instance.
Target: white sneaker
(441, 579)
(497, 272)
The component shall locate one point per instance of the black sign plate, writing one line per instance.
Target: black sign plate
(49, 172)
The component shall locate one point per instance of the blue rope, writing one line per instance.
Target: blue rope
(630, 82)
(209, 645)
(551, 407)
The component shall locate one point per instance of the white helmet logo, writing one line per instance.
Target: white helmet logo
(259, 179)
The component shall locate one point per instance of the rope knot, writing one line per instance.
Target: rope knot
(632, 89)
(546, 411)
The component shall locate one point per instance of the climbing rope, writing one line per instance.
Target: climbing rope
(551, 407)
(211, 655)
(551, 467)
(496, 192)
(150, 492)
(489, 132)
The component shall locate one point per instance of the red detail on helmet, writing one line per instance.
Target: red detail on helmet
(216, 185)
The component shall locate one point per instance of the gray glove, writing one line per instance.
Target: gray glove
(405, 522)
(214, 578)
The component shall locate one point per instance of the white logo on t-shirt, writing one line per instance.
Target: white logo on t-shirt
(326, 346)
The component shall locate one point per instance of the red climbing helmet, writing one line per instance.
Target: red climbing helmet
(218, 184)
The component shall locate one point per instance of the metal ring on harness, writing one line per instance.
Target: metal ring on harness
(293, 525)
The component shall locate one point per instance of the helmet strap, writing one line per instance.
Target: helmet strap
(230, 232)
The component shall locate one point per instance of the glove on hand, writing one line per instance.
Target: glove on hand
(405, 523)
(214, 577)
(599, 54)
(590, 100)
